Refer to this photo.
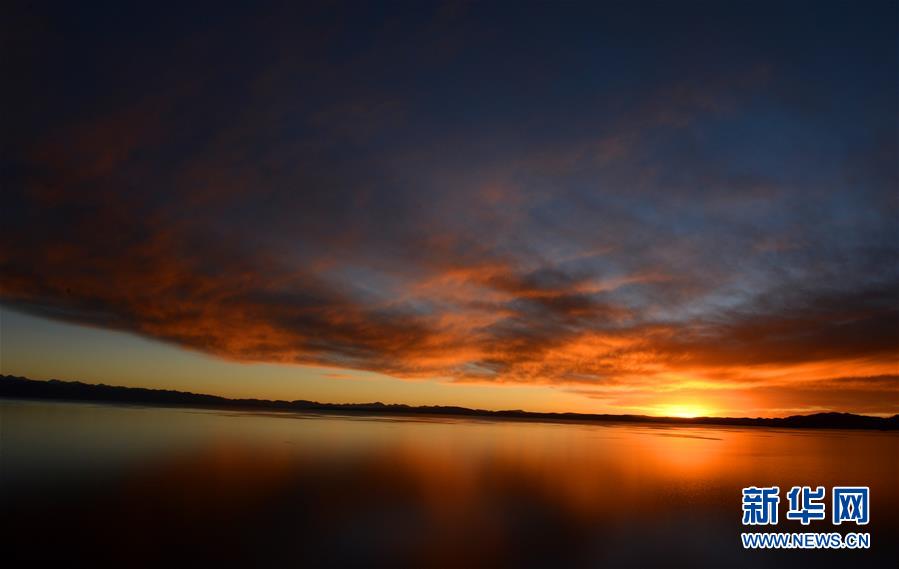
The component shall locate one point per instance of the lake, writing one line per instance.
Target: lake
(150, 486)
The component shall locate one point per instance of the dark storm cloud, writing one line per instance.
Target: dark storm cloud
(547, 194)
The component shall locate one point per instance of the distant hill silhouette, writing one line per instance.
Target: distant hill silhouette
(24, 388)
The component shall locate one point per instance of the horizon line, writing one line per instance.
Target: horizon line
(175, 398)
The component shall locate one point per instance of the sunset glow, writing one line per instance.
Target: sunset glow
(685, 411)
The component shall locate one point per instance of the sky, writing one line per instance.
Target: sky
(667, 208)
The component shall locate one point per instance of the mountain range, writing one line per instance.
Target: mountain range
(23, 388)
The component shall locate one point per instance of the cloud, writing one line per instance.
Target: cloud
(469, 210)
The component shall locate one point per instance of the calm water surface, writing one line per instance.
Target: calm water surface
(149, 486)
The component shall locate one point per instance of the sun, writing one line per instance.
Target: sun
(683, 410)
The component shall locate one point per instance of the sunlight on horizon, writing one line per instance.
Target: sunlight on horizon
(684, 410)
